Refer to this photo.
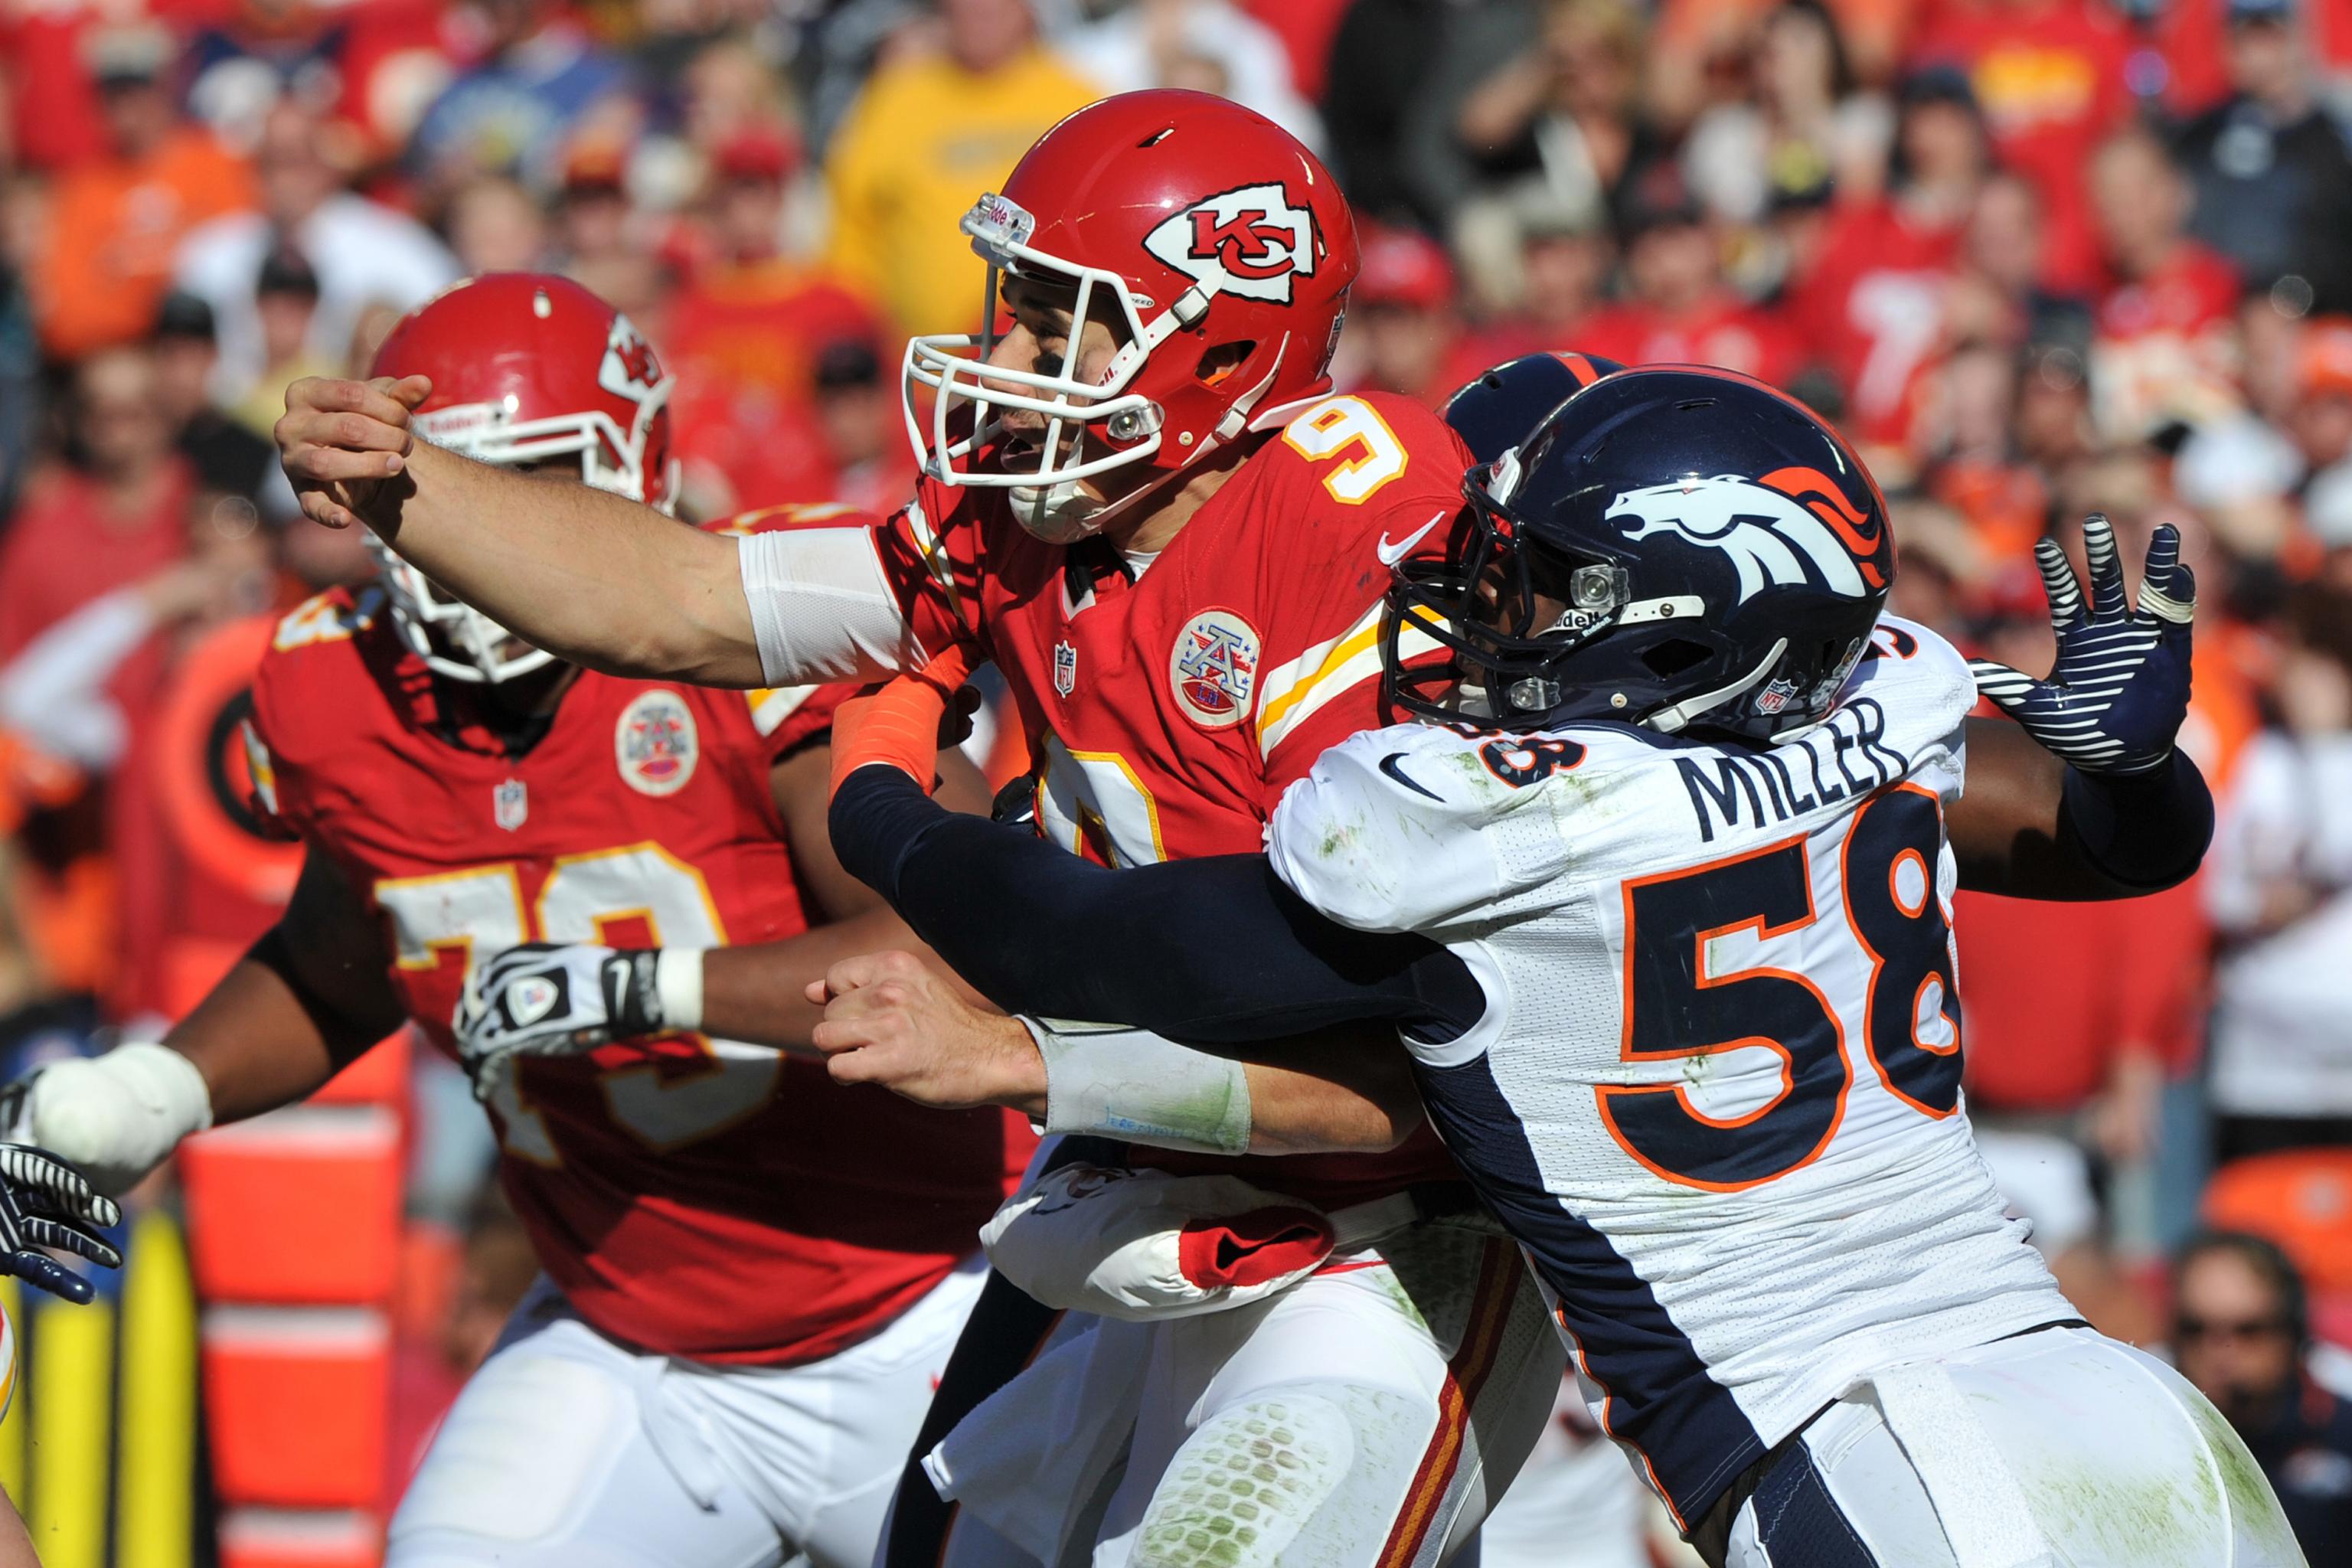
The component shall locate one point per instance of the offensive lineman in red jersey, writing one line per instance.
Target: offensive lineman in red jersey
(751, 1287)
(1175, 542)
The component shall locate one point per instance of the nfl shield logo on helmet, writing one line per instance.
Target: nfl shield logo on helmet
(656, 744)
(1213, 669)
(1066, 668)
(511, 804)
(1776, 697)
(1252, 242)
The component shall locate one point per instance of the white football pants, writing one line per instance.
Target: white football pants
(1363, 1418)
(2057, 1449)
(569, 1450)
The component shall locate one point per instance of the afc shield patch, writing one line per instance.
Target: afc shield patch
(1066, 668)
(656, 744)
(511, 804)
(1212, 668)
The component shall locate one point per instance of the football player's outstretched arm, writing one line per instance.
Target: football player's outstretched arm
(2085, 795)
(562, 998)
(594, 577)
(892, 1020)
(304, 1001)
(761, 993)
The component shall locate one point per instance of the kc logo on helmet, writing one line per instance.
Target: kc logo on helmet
(1253, 242)
(629, 369)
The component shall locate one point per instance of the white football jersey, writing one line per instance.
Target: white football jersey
(1716, 1092)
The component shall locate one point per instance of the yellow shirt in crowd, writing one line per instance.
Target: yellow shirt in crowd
(919, 147)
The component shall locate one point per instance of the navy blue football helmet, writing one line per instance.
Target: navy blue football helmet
(1494, 412)
(1676, 546)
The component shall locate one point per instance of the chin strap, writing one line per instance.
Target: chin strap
(1672, 721)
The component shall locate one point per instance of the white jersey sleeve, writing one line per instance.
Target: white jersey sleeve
(1414, 827)
(822, 608)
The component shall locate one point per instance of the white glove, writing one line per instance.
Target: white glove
(566, 999)
(115, 1118)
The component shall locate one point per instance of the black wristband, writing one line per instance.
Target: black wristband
(2146, 831)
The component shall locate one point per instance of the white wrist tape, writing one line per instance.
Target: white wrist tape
(1107, 1079)
(117, 1116)
(677, 985)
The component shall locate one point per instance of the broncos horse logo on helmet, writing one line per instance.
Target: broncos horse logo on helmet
(1676, 546)
(1769, 534)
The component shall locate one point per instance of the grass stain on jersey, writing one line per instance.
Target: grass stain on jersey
(2252, 1504)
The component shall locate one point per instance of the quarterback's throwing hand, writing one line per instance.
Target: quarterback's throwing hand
(892, 1020)
(341, 440)
(45, 1203)
(548, 999)
(2119, 690)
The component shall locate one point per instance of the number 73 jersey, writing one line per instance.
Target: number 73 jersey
(693, 1197)
(1717, 1089)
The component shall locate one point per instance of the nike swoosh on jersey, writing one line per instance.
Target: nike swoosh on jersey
(1388, 765)
(1390, 554)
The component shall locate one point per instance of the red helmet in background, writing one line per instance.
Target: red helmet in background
(1206, 226)
(526, 367)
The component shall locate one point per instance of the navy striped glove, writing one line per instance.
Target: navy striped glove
(45, 1203)
(2119, 690)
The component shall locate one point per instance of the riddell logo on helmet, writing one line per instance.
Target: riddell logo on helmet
(1252, 242)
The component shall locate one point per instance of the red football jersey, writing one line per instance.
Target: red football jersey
(1168, 711)
(699, 1198)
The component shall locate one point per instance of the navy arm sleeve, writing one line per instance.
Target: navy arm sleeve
(1215, 950)
(2145, 831)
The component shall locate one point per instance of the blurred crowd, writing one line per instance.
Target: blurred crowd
(2037, 258)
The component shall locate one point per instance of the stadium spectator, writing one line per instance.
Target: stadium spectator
(1874, 305)
(285, 306)
(744, 335)
(2271, 169)
(111, 518)
(541, 76)
(364, 252)
(116, 220)
(599, 237)
(1403, 303)
(1566, 115)
(2278, 882)
(1210, 46)
(2166, 349)
(2319, 417)
(2240, 1333)
(1399, 74)
(1677, 308)
(228, 458)
(1805, 124)
(927, 134)
(1533, 268)
(496, 226)
(865, 437)
(2050, 74)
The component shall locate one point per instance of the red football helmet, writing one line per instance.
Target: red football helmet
(526, 366)
(1211, 227)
